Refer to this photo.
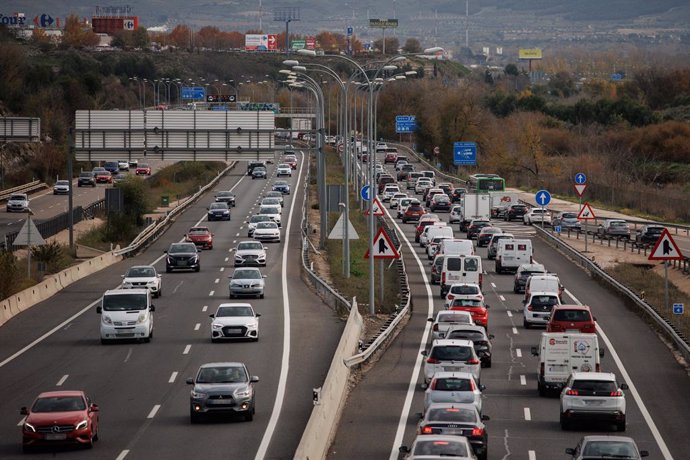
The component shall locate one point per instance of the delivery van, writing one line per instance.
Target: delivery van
(460, 269)
(126, 314)
(511, 254)
(562, 354)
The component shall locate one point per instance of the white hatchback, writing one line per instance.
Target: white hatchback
(284, 169)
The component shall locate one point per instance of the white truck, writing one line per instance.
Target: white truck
(475, 206)
(562, 354)
(500, 202)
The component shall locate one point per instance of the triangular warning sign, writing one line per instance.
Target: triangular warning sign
(338, 234)
(665, 248)
(377, 208)
(580, 189)
(586, 213)
(29, 235)
(383, 247)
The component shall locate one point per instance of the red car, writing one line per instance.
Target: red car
(391, 157)
(476, 307)
(413, 212)
(291, 160)
(575, 318)
(422, 224)
(200, 236)
(143, 170)
(59, 418)
(103, 176)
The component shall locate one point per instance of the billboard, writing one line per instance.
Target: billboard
(383, 23)
(260, 42)
(529, 53)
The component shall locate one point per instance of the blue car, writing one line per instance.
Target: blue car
(282, 187)
(218, 211)
(111, 166)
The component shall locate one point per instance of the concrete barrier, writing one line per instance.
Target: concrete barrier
(322, 424)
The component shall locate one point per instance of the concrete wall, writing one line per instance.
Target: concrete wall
(52, 284)
(321, 428)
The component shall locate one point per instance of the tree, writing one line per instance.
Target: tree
(412, 45)
(511, 69)
(78, 36)
(140, 38)
(392, 45)
(180, 36)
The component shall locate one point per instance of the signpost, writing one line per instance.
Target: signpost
(586, 213)
(666, 249)
(405, 123)
(195, 93)
(580, 186)
(678, 308)
(383, 24)
(464, 153)
(543, 198)
(365, 193)
(383, 249)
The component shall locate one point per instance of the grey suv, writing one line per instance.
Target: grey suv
(87, 178)
(222, 388)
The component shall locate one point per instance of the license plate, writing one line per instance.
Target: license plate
(452, 369)
(572, 330)
(181, 262)
(125, 334)
(234, 331)
(593, 402)
(55, 436)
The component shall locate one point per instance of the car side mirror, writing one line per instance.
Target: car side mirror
(424, 352)
(99, 310)
(487, 306)
(122, 276)
(165, 251)
(152, 308)
(190, 381)
(257, 314)
(404, 450)
(419, 415)
(212, 315)
(431, 320)
(602, 352)
(253, 379)
(624, 386)
(24, 411)
(94, 408)
(535, 351)
(571, 451)
(159, 276)
(485, 417)
(264, 276)
(207, 209)
(491, 336)
(482, 387)
(431, 263)
(644, 453)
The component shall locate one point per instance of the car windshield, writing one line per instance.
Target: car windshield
(451, 353)
(281, 183)
(17, 198)
(251, 245)
(283, 165)
(655, 229)
(86, 174)
(234, 311)
(181, 248)
(609, 449)
(246, 275)
(140, 272)
(571, 315)
(266, 225)
(440, 449)
(569, 215)
(453, 384)
(62, 182)
(198, 231)
(526, 274)
(469, 335)
(618, 224)
(59, 404)
(259, 218)
(218, 206)
(269, 210)
(274, 195)
(124, 302)
(227, 374)
(464, 290)
(448, 318)
(225, 195)
(452, 414)
(271, 201)
(467, 303)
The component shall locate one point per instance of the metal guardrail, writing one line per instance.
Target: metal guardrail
(681, 342)
(25, 188)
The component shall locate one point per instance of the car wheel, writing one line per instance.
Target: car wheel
(232, 296)
(194, 417)
(249, 416)
(484, 455)
(96, 437)
(541, 389)
(620, 426)
(565, 424)
(488, 363)
(261, 296)
(525, 324)
(168, 269)
(105, 341)
(197, 268)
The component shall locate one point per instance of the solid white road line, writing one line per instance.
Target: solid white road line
(197, 326)
(62, 380)
(632, 388)
(509, 313)
(122, 455)
(154, 411)
(523, 380)
(518, 353)
(528, 414)
(186, 349)
(285, 360)
(172, 378)
(531, 455)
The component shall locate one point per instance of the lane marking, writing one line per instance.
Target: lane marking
(523, 380)
(285, 360)
(210, 294)
(531, 455)
(237, 234)
(515, 331)
(62, 380)
(518, 353)
(154, 411)
(186, 349)
(204, 308)
(216, 281)
(222, 269)
(122, 455)
(503, 299)
(172, 378)
(528, 414)
(493, 285)
(21, 422)
(197, 326)
(129, 355)
(509, 313)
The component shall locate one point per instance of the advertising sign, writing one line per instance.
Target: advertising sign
(529, 53)
(260, 42)
(383, 23)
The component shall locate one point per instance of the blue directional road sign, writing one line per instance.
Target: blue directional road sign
(365, 193)
(196, 93)
(557, 229)
(350, 30)
(543, 197)
(678, 308)
(405, 123)
(464, 153)
(580, 178)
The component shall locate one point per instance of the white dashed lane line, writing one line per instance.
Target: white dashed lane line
(204, 308)
(154, 411)
(528, 414)
(62, 380)
(531, 455)
(523, 380)
(509, 313)
(210, 294)
(172, 378)
(197, 326)
(216, 281)
(186, 349)
(518, 353)
(515, 331)
(122, 455)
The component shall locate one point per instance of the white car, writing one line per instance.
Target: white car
(234, 321)
(143, 277)
(250, 253)
(267, 231)
(451, 356)
(284, 169)
(61, 187)
(537, 309)
(446, 319)
(389, 191)
(593, 396)
(123, 165)
(537, 215)
(274, 212)
(254, 220)
(467, 291)
(422, 184)
(455, 216)
(395, 199)
(18, 202)
(433, 446)
(453, 387)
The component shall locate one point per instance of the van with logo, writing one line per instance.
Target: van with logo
(460, 269)
(512, 253)
(126, 314)
(562, 354)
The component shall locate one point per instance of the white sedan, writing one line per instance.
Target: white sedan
(234, 321)
(284, 169)
(267, 231)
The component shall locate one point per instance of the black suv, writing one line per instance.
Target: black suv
(226, 197)
(182, 256)
(87, 178)
(254, 164)
(515, 211)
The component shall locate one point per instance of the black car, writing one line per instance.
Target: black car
(475, 227)
(226, 197)
(255, 164)
(478, 336)
(441, 204)
(182, 256)
(87, 178)
(282, 187)
(218, 211)
(483, 239)
(649, 234)
(458, 419)
(458, 193)
(259, 172)
(515, 211)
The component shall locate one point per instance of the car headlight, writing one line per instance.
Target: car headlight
(239, 257)
(107, 320)
(126, 284)
(81, 425)
(141, 318)
(245, 392)
(256, 284)
(217, 326)
(29, 427)
(197, 394)
(226, 212)
(169, 260)
(194, 258)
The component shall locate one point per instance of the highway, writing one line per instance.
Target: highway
(381, 412)
(140, 387)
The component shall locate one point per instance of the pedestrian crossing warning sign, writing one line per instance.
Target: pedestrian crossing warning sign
(383, 247)
(665, 248)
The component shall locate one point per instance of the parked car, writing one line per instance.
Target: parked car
(451, 356)
(228, 381)
(86, 178)
(648, 234)
(567, 221)
(18, 202)
(459, 420)
(606, 447)
(614, 228)
(438, 446)
(247, 282)
(143, 276)
(218, 211)
(234, 321)
(200, 236)
(580, 393)
(515, 212)
(453, 387)
(537, 216)
(61, 187)
(571, 318)
(182, 256)
(226, 197)
(60, 418)
(250, 253)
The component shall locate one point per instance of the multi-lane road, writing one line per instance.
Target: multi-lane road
(140, 387)
(381, 413)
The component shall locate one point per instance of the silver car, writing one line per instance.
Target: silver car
(250, 253)
(61, 187)
(18, 202)
(234, 321)
(432, 447)
(222, 388)
(445, 319)
(606, 447)
(247, 282)
(451, 356)
(567, 220)
(453, 387)
(254, 220)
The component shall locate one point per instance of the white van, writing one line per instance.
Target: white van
(544, 283)
(126, 314)
(432, 231)
(432, 245)
(562, 354)
(513, 253)
(460, 269)
(456, 247)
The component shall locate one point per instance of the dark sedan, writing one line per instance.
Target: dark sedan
(475, 227)
(282, 187)
(218, 211)
(226, 197)
(457, 419)
(649, 234)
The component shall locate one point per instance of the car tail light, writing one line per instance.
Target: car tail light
(443, 277)
(617, 393)
(433, 384)
(472, 361)
(476, 432)
(572, 393)
(472, 386)
(541, 369)
(427, 430)
(431, 360)
(450, 297)
(529, 307)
